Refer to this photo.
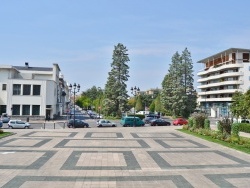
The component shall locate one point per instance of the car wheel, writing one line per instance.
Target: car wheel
(26, 127)
(100, 125)
(113, 125)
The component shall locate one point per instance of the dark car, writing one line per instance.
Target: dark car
(160, 122)
(150, 117)
(78, 123)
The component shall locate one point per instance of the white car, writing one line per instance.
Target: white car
(18, 124)
(105, 123)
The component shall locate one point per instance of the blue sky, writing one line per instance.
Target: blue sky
(80, 35)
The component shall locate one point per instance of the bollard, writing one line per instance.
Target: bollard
(44, 126)
(54, 125)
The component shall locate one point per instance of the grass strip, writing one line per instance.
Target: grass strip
(235, 146)
(5, 134)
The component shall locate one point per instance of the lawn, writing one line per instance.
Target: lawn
(4, 134)
(235, 146)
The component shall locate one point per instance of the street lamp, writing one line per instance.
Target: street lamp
(99, 95)
(135, 91)
(76, 88)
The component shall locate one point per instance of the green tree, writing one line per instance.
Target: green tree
(139, 106)
(235, 106)
(178, 95)
(158, 105)
(115, 88)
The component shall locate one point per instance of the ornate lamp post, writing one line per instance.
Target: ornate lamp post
(76, 88)
(134, 92)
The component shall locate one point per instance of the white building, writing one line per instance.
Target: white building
(224, 73)
(32, 91)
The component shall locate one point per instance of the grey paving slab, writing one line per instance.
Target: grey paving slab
(122, 157)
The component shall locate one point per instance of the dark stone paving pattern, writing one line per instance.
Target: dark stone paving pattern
(178, 180)
(149, 157)
(129, 157)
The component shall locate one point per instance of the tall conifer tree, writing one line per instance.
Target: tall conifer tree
(115, 88)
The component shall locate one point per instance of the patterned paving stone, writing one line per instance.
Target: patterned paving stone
(196, 159)
(24, 142)
(119, 181)
(180, 143)
(230, 180)
(24, 159)
(134, 157)
(50, 134)
(96, 160)
(103, 135)
(102, 143)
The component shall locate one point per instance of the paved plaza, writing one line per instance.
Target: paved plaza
(118, 157)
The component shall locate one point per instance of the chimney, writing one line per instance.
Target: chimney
(26, 64)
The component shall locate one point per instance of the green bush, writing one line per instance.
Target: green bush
(190, 122)
(244, 127)
(207, 124)
(235, 129)
(199, 119)
(226, 126)
(1, 131)
(219, 127)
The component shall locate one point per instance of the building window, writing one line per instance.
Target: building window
(16, 89)
(3, 109)
(36, 89)
(26, 89)
(4, 86)
(245, 57)
(16, 110)
(26, 109)
(35, 109)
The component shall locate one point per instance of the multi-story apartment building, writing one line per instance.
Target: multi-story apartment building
(224, 73)
(32, 91)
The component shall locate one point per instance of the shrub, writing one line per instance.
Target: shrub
(1, 131)
(226, 126)
(199, 119)
(190, 122)
(244, 127)
(219, 127)
(207, 124)
(235, 129)
(186, 127)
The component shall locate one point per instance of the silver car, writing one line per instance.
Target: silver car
(18, 124)
(105, 123)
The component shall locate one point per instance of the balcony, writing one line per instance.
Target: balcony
(225, 99)
(221, 67)
(218, 76)
(222, 83)
(217, 92)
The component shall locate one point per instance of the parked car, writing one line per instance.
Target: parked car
(78, 123)
(130, 121)
(18, 124)
(5, 118)
(148, 119)
(105, 123)
(180, 121)
(160, 122)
